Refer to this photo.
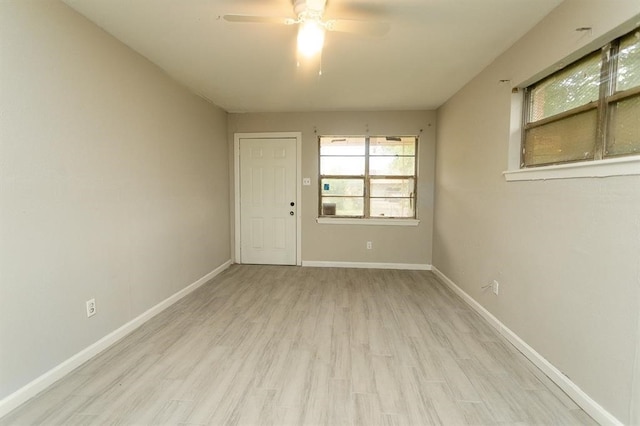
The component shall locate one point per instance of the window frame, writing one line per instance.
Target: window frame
(607, 96)
(366, 178)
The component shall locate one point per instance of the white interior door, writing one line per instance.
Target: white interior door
(268, 204)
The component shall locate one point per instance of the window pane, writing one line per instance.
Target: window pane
(342, 187)
(391, 207)
(353, 166)
(344, 206)
(392, 187)
(569, 139)
(392, 146)
(629, 62)
(391, 166)
(570, 88)
(624, 133)
(343, 146)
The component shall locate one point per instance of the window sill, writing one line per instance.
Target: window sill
(379, 222)
(624, 166)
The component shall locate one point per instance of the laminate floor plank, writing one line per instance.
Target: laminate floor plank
(459, 384)
(444, 403)
(419, 409)
(278, 345)
(476, 413)
(171, 413)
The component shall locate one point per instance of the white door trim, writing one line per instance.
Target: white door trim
(236, 178)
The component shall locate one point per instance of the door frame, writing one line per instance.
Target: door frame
(236, 177)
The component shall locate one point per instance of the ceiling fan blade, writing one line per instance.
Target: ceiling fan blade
(259, 19)
(358, 9)
(368, 28)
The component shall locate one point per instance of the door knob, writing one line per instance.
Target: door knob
(291, 213)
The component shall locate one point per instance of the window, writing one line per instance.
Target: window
(589, 110)
(368, 177)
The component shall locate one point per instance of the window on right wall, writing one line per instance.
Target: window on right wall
(589, 110)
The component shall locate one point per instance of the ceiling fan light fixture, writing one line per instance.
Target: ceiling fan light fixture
(310, 37)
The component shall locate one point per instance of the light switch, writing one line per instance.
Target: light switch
(306, 181)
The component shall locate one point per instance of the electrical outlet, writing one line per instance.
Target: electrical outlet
(306, 181)
(495, 287)
(369, 245)
(91, 307)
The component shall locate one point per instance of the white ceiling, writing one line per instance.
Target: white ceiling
(433, 48)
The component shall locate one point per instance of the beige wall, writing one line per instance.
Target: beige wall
(114, 185)
(347, 243)
(566, 252)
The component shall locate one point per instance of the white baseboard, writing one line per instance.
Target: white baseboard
(585, 402)
(367, 265)
(31, 389)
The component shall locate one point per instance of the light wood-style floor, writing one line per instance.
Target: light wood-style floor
(271, 345)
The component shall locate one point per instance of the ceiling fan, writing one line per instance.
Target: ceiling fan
(312, 26)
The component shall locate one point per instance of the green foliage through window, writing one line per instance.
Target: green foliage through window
(589, 110)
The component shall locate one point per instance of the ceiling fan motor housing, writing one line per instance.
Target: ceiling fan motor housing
(312, 9)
